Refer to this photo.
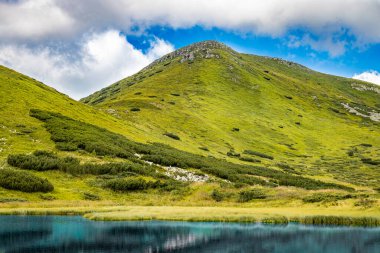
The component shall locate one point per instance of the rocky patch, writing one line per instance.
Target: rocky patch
(372, 115)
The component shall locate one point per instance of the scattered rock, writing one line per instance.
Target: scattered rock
(364, 87)
(372, 115)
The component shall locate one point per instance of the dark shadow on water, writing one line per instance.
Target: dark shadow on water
(32, 234)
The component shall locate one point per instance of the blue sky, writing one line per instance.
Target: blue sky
(79, 47)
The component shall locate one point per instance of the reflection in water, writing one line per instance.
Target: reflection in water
(32, 234)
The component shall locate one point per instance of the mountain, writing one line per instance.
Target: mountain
(199, 126)
(219, 102)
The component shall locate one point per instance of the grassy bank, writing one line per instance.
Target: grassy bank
(274, 215)
(237, 214)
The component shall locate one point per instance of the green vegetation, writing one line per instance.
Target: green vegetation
(23, 181)
(341, 220)
(132, 184)
(102, 142)
(90, 196)
(323, 197)
(249, 159)
(42, 161)
(219, 148)
(255, 153)
(173, 136)
(233, 214)
(217, 195)
(248, 195)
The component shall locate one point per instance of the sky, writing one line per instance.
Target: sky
(79, 47)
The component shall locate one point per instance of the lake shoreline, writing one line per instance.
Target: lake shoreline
(270, 215)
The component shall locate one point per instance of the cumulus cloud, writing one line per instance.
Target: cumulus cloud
(270, 17)
(103, 58)
(33, 19)
(371, 76)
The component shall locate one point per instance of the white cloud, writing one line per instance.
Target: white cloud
(103, 59)
(369, 76)
(33, 19)
(270, 17)
(329, 44)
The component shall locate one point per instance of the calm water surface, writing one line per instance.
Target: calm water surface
(32, 234)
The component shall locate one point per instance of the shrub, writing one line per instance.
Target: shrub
(135, 109)
(90, 138)
(366, 203)
(325, 197)
(23, 181)
(66, 146)
(41, 161)
(249, 159)
(255, 153)
(370, 161)
(90, 196)
(248, 195)
(232, 153)
(131, 184)
(217, 195)
(47, 197)
(173, 136)
(48, 161)
(8, 200)
(285, 167)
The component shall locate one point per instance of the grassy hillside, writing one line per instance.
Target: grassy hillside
(203, 125)
(219, 102)
(21, 133)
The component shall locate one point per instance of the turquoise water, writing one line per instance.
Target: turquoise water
(32, 234)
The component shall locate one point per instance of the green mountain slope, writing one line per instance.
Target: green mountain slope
(203, 125)
(21, 133)
(220, 102)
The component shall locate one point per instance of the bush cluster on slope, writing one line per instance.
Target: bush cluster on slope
(91, 138)
(42, 161)
(131, 184)
(23, 181)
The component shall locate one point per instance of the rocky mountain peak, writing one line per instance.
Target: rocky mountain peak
(204, 49)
